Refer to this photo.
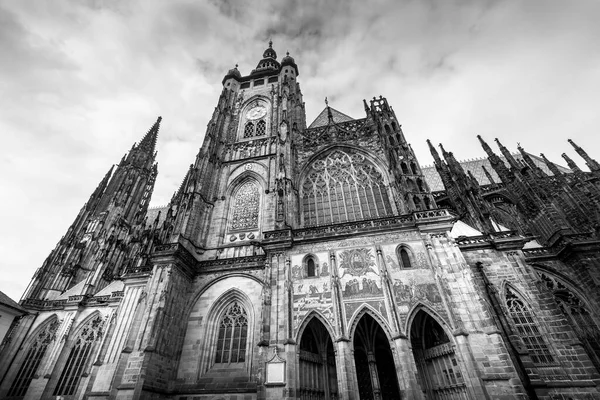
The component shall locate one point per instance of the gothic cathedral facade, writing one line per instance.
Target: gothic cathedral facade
(318, 262)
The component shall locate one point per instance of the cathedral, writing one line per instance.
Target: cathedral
(318, 261)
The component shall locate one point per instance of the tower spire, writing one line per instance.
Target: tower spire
(148, 142)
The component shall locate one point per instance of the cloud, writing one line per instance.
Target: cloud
(82, 81)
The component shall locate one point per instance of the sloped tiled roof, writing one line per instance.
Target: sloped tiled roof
(435, 182)
(7, 301)
(323, 119)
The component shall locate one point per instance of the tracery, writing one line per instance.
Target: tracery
(343, 186)
(246, 206)
(233, 332)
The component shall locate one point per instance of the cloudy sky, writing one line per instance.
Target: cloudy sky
(80, 81)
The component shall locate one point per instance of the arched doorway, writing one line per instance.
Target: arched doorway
(318, 378)
(440, 375)
(375, 367)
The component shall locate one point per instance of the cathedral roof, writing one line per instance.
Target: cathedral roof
(435, 182)
(322, 119)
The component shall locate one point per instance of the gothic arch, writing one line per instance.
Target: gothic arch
(343, 147)
(440, 368)
(243, 131)
(244, 212)
(30, 358)
(414, 310)
(239, 173)
(368, 309)
(526, 323)
(77, 355)
(343, 184)
(411, 256)
(306, 320)
(213, 317)
(578, 312)
(305, 266)
(199, 292)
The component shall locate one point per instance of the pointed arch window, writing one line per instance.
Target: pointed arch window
(343, 187)
(252, 129)
(246, 204)
(261, 128)
(527, 329)
(79, 357)
(404, 258)
(32, 359)
(233, 334)
(578, 315)
(249, 130)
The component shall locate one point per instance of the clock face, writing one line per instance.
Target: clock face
(256, 112)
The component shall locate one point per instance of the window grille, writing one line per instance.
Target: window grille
(343, 187)
(233, 332)
(261, 128)
(78, 357)
(32, 360)
(405, 259)
(527, 329)
(249, 130)
(246, 207)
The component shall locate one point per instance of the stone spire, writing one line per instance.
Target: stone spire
(571, 163)
(591, 163)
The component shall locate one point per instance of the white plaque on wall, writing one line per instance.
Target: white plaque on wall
(275, 371)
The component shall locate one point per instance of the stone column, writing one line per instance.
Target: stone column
(345, 370)
(374, 376)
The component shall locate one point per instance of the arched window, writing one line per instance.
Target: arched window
(233, 334)
(417, 202)
(343, 187)
(33, 358)
(249, 130)
(413, 168)
(261, 128)
(404, 258)
(420, 185)
(427, 203)
(527, 329)
(78, 357)
(578, 315)
(310, 267)
(404, 168)
(394, 125)
(387, 129)
(246, 205)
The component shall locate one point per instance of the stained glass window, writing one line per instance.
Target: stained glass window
(527, 329)
(343, 187)
(78, 358)
(233, 332)
(246, 206)
(32, 360)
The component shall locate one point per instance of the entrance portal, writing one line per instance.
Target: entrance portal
(439, 373)
(318, 378)
(375, 367)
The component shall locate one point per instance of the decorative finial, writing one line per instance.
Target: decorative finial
(270, 43)
(236, 65)
(326, 102)
(287, 53)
